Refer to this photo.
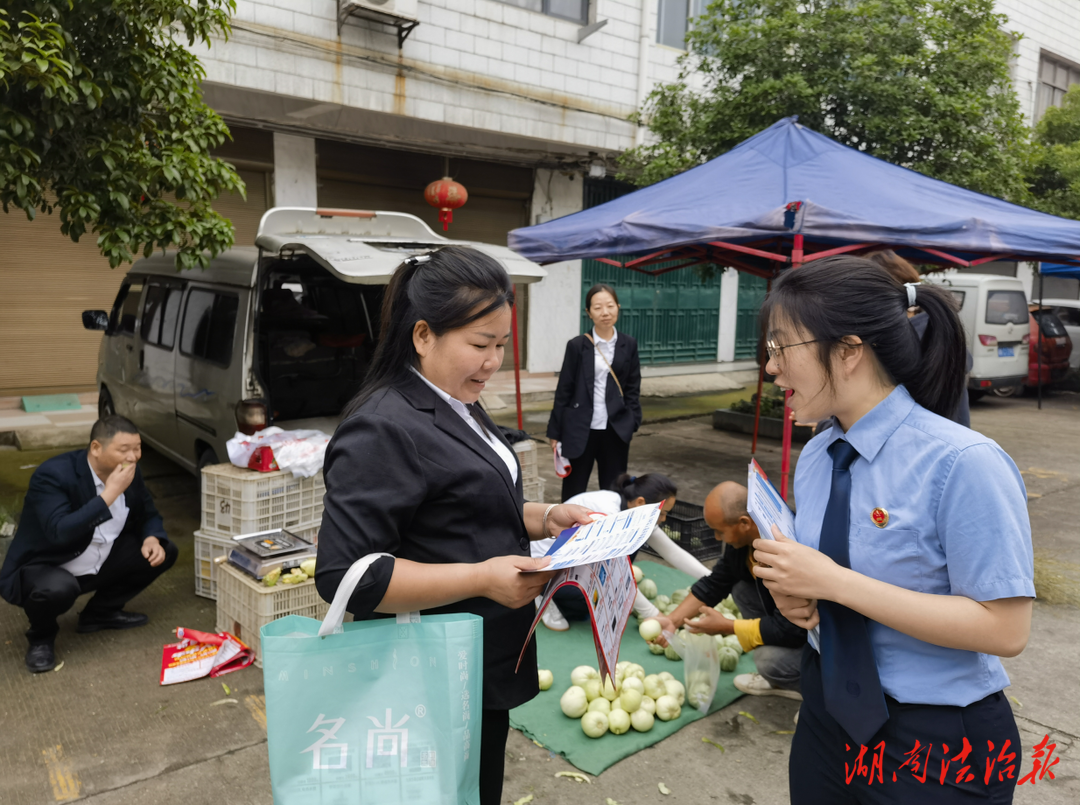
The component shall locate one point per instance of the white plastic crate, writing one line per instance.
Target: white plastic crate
(244, 605)
(241, 501)
(210, 546)
(533, 491)
(526, 453)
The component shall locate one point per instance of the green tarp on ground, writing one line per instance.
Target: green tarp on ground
(560, 652)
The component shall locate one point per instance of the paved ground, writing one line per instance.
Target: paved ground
(101, 730)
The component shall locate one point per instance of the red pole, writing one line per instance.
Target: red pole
(785, 459)
(517, 361)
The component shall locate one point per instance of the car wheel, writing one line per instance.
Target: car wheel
(975, 396)
(206, 458)
(105, 405)
(1007, 391)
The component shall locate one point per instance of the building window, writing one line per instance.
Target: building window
(1055, 78)
(573, 10)
(673, 20)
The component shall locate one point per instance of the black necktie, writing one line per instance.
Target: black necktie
(849, 675)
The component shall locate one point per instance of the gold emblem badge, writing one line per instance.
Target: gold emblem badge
(880, 517)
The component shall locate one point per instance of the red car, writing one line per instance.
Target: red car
(1055, 345)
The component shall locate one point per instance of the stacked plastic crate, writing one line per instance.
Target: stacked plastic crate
(241, 501)
(531, 483)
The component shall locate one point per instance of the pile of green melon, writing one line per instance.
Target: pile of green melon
(727, 645)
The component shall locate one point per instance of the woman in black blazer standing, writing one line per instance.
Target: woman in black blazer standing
(416, 469)
(598, 398)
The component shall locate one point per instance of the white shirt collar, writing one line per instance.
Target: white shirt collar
(454, 403)
(599, 340)
(98, 483)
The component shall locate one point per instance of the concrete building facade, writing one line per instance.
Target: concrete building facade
(338, 103)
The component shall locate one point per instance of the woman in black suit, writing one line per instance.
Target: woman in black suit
(598, 398)
(417, 470)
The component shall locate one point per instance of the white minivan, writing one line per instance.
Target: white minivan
(281, 333)
(994, 311)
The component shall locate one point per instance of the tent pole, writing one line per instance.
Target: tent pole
(517, 360)
(785, 459)
(1038, 329)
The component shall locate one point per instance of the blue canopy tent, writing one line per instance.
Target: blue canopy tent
(789, 195)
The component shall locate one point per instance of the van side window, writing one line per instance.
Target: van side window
(150, 328)
(160, 313)
(209, 324)
(1069, 316)
(126, 312)
(1006, 307)
(171, 317)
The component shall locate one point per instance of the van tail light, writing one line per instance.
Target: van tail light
(988, 340)
(251, 416)
(985, 384)
(1026, 340)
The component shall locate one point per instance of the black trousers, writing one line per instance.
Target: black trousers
(608, 451)
(824, 767)
(50, 591)
(493, 732)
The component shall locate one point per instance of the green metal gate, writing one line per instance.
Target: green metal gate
(751, 295)
(674, 317)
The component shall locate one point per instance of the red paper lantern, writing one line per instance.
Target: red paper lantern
(447, 195)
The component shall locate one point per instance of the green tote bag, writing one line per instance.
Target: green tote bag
(378, 712)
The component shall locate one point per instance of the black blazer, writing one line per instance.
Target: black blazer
(572, 413)
(61, 511)
(405, 475)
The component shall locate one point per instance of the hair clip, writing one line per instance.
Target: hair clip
(633, 479)
(911, 286)
(417, 259)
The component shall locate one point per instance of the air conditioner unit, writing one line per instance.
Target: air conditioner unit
(391, 12)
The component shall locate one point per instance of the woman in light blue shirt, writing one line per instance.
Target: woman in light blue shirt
(912, 553)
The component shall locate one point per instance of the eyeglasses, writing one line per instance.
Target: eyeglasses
(776, 350)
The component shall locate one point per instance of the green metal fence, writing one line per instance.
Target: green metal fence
(675, 317)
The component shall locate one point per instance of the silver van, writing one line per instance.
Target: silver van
(280, 333)
(994, 311)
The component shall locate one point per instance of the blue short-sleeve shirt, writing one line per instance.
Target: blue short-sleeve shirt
(957, 525)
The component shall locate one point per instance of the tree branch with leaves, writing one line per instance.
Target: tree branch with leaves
(922, 84)
(102, 120)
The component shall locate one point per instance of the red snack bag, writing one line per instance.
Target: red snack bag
(200, 654)
(263, 459)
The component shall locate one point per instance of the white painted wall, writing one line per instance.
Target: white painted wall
(294, 171)
(1046, 25)
(555, 301)
(476, 63)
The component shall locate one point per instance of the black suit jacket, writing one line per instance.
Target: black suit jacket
(572, 412)
(407, 476)
(61, 511)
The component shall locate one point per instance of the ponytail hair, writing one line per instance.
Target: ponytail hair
(844, 295)
(449, 289)
(654, 487)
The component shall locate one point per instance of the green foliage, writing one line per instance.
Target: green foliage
(1054, 176)
(102, 118)
(772, 403)
(919, 83)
